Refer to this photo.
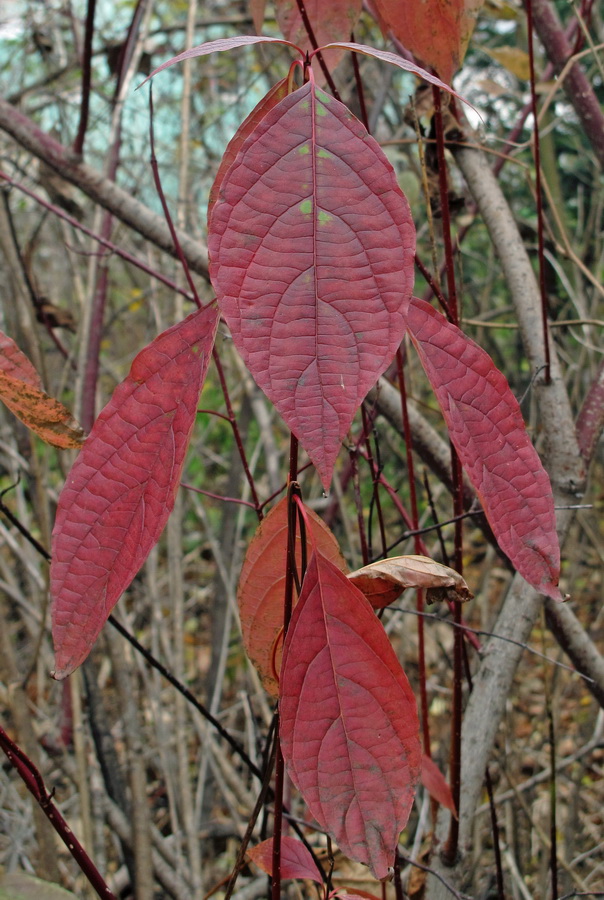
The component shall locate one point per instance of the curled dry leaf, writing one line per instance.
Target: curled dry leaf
(384, 581)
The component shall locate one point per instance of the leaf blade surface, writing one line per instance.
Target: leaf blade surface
(349, 725)
(261, 589)
(121, 490)
(311, 248)
(486, 426)
(296, 861)
(22, 391)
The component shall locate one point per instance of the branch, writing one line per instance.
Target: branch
(577, 87)
(101, 190)
(522, 605)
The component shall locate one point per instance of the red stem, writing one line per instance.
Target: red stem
(290, 577)
(118, 251)
(449, 854)
(78, 144)
(311, 37)
(421, 644)
(35, 785)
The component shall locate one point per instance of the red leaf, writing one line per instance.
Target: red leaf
(311, 254)
(331, 21)
(262, 587)
(397, 60)
(435, 31)
(257, 8)
(296, 861)
(121, 490)
(487, 429)
(434, 782)
(241, 40)
(22, 391)
(349, 726)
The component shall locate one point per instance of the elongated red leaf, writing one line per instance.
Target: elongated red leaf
(487, 429)
(311, 254)
(435, 31)
(435, 783)
(349, 726)
(262, 587)
(22, 391)
(333, 21)
(121, 490)
(296, 861)
(396, 60)
(241, 40)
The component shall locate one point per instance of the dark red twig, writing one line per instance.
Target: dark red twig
(311, 37)
(35, 785)
(78, 144)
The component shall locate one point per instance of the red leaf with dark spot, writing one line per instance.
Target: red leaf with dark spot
(296, 861)
(121, 490)
(311, 254)
(349, 726)
(487, 429)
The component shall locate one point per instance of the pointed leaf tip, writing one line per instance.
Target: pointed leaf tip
(486, 426)
(121, 490)
(349, 725)
(296, 860)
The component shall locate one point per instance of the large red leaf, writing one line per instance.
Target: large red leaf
(311, 254)
(333, 21)
(487, 429)
(22, 391)
(435, 31)
(121, 490)
(296, 861)
(349, 726)
(262, 587)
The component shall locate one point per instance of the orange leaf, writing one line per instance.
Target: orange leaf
(384, 581)
(262, 585)
(21, 390)
(436, 31)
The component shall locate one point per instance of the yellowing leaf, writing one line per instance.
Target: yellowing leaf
(384, 581)
(513, 59)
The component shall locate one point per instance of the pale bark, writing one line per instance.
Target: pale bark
(493, 681)
(101, 190)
